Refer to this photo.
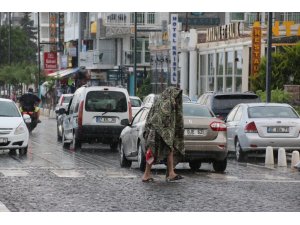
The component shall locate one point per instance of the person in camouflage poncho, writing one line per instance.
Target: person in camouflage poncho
(165, 132)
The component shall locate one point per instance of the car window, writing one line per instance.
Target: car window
(231, 115)
(196, 110)
(144, 115)
(135, 102)
(229, 101)
(8, 109)
(271, 112)
(106, 101)
(238, 114)
(66, 99)
(137, 117)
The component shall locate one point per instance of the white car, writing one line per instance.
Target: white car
(13, 130)
(136, 104)
(251, 127)
(63, 102)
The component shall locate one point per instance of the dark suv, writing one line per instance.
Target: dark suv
(222, 103)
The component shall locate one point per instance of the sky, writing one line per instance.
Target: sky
(149, 6)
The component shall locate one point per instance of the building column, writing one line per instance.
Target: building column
(184, 72)
(193, 75)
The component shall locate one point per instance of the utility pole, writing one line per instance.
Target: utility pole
(135, 41)
(9, 38)
(269, 59)
(39, 55)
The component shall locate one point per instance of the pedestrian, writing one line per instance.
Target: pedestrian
(164, 133)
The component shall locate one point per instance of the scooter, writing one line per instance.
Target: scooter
(33, 115)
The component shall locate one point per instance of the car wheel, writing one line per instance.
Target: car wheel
(141, 158)
(220, 166)
(239, 154)
(123, 161)
(195, 165)
(76, 144)
(114, 146)
(23, 151)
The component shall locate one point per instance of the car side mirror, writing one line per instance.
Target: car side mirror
(26, 118)
(125, 122)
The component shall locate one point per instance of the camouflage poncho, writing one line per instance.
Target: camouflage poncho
(164, 125)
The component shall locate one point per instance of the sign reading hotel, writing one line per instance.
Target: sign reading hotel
(256, 48)
(50, 60)
(174, 48)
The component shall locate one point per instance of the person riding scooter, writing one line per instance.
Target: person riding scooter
(29, 103)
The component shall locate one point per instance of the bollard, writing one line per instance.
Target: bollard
(282, 158)
(41, 111)
(269, 159)
(295, 159)
(52, 114)
(46, 112)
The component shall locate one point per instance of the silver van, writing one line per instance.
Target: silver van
(96, 114)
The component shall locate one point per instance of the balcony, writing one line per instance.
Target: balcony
(142, 58)
(96, 59)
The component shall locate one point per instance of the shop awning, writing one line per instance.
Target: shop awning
(64, 73)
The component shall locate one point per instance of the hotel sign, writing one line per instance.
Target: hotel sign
(256, 49)
(174, 48)
(224, 32)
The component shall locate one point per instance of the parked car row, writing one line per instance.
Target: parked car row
(243, 125)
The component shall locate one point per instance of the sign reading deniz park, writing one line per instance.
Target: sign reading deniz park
(174, 48)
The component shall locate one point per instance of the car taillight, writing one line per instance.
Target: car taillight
(218, 126)
(130, 111)
(80, 114)
(62, 100)
(251, 128)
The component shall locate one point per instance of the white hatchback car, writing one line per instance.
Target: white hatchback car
(13, 130)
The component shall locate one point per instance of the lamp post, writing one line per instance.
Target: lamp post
(39, 56)
(269, 59)
(135, 41)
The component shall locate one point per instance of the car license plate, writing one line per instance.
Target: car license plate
(194, 132)
(278, 129)
(3, 140)
(101, 119)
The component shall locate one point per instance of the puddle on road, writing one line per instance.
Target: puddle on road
(14, 173)
(67, 173)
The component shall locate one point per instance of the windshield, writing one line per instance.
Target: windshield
(8, 109)
(106, 101)
(271, 112)
(196, 110)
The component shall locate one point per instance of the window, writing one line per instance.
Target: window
(238, 114)
(106, 101)
(238, 64)
(8, 109)
(228, 71)
(211, 70)
(202, 73)
(220, 70)
(237, 16)
(231, 114)
(151, 18)
(140, 18)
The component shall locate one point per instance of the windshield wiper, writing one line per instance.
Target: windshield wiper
(104, 113)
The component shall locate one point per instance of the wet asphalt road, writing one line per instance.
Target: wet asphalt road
(53, 179)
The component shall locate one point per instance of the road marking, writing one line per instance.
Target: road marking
(3, 208)
(221, 176)
(67, 173)
(14, 173)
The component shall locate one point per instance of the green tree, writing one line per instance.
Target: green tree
(285, 64)
(146, 88)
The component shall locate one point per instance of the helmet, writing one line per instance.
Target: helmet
(30, 90)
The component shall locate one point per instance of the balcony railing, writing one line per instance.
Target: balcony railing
(97, 59)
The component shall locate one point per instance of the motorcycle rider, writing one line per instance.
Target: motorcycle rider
(29, 102)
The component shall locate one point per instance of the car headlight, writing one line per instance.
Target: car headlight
(20, 129)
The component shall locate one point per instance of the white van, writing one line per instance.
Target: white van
(96, 114)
